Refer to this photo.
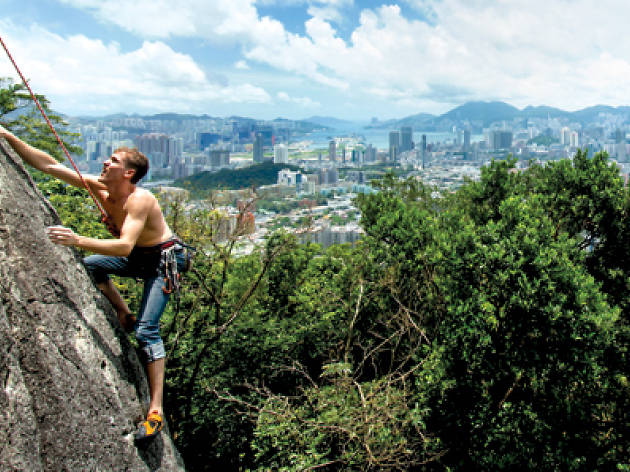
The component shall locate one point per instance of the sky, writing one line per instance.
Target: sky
(350, 59)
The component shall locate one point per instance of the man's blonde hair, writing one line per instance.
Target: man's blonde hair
(135, 160)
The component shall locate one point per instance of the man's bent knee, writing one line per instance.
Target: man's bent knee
(93, 266)
(150, 342)
(153, 352)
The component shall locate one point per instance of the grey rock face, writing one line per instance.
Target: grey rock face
(72, 389)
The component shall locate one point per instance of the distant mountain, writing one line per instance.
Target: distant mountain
(485, 112)
(158, 116)
(417, 120)
(176, 116)
(482, 114)
(330, 122)
(591, 113)
(544, 112)
(476, 113)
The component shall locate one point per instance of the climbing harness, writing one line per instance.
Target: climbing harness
(106, 219)
(168, 263)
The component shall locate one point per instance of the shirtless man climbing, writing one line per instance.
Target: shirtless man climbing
(135, 215)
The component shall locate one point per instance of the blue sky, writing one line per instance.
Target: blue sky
(297, 58)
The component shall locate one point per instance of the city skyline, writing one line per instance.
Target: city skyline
(298, 58)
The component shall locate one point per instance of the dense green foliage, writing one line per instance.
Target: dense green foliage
(485, 329)
(543, 140)
(481, 330)
(265, 173)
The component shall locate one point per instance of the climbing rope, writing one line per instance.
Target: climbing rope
(98, 205)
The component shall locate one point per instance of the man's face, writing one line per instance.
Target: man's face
(114, 168)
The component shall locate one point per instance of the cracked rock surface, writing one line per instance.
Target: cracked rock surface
(72, 389)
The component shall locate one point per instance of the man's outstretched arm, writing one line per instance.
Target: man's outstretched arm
(45, 162)
(137, 213)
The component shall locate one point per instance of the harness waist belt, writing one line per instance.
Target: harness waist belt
(158, 247)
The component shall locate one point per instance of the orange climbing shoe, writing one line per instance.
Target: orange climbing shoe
(150, 428)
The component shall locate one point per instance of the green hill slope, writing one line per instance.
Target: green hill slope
(265, 173)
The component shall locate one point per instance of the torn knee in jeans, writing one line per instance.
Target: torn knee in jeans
(153, 352)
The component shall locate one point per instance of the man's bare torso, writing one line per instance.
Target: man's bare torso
(155, 229)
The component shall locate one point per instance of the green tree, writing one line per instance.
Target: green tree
(515, 325)
(19, 114)
(488, 309)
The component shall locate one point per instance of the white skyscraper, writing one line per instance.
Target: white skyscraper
(280, 154)
(565, 136)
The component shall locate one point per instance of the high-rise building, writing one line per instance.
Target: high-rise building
(459, 136)
(394, 145)
(328, 176)
(280, 154)
(620, 139)
(466, 147)
(565, 136)
(406, 138)
(500, 139)
(160, 149)
(258, 148)
(219, 158)
(332, 151)
(424, 149)
(370, 154)
(575, 140)
(205, 140)
(175, 149)
(266, 131)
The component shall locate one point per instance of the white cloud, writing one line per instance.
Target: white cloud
(304, 102)
(425, 7)
(82, 75)
(329, 10)
(163, 18)
(242, 65)
(565, 53)
(573, 55)
(264, 39)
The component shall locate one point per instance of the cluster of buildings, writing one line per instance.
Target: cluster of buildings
(178, 146)
(345, 150)
(400, 141)
(536, 139)
(308, 183)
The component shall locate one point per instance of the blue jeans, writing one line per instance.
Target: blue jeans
(142, 263)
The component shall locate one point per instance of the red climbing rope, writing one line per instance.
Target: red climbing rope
(98, 205)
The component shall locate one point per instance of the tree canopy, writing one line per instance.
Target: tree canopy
(484, 329)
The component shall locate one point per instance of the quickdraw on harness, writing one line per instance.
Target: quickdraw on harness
(106, 220)
(168, 263)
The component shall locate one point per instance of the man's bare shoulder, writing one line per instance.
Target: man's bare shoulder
(141, 194)
(141, 198)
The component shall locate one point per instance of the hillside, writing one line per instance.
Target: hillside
(265, 173)
(330, 122)
(482, 114)
(485, 112)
